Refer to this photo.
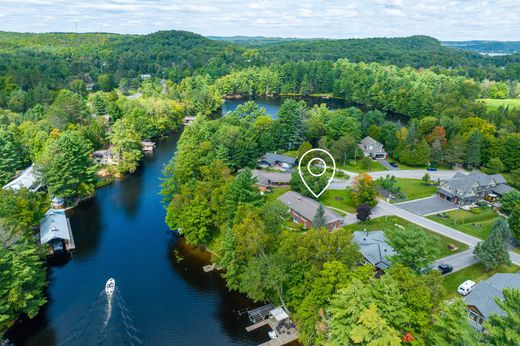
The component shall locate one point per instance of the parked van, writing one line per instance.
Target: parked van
(466, 287)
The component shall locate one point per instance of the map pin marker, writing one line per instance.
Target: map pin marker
(316, 161)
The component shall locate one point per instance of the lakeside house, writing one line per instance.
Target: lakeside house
(277, 161)
(266, 180)
(148, 146)
(481, 300)
(374, 248)
(303, 210)
(372, 148)
(105, 157)
(28, 179)
(472, 188)
(55, 231)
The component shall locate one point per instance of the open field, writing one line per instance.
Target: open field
(476, 273)
(338, 199)
(388, 222)
(415, 188)
(478, 225)
(493, 104)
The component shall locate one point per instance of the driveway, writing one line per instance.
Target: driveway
(387, 165)
(459, 260)
(427, 206)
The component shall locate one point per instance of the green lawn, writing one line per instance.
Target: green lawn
(388, 222)
(475, 273)
(493, 104)
(478, 225)
(415, 188)
(277, 192)
(354, 166)
(338, 199)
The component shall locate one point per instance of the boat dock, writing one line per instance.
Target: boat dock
(283, 329)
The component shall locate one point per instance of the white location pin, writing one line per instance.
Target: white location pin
(316, 161)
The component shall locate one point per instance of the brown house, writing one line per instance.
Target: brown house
(303, 210)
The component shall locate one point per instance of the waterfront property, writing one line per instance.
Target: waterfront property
(277, 161)
(105, 157)
(283, 330)
(28, 179)
(374, 248)
(481, 300)
(267, 180)
(304, 209)
(188, 121)
(372, 148)
(472, 188)
(148, 146)
(55, 231)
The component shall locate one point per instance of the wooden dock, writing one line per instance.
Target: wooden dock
(257, 325)
(281, 340)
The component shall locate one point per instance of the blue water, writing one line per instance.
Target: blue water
(122, 234)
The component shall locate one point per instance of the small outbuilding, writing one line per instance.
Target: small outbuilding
(55, 231)
(148, 146)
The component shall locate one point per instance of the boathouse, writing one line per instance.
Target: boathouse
(55, 231)
(148, 146)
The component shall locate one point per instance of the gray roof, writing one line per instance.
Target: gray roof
(465, 183)
(484, 293)
(272, 158)
(265, 178)
(54, 226)
(306, 207)
(502, 189)
(28, 179)
(370, 141)
(374, 248)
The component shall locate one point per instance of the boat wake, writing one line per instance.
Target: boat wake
(106, 322)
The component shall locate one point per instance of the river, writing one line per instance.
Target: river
(159, 301)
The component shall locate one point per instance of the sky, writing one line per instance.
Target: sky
(442, 19)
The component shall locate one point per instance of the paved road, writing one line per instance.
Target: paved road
(459, 260)
(438, 228)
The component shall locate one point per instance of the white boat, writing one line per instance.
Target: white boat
(110, 286)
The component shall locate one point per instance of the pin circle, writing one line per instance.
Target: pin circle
(322, 162)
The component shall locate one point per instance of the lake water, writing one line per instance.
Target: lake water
(272, 105)
(158, 300)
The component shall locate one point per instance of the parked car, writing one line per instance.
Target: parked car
(393, 164)
(431, 169)
(445, 268)
(465, 287)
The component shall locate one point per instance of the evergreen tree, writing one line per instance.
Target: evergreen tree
(455, 151)
(290, 122)
(242, 191)
(415, 248)
(494, 250)
(126, 145)
(9, 161)
(473, 152)
(319, 219)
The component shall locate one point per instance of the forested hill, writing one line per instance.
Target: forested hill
(506, 47)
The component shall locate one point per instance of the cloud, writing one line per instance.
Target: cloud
(443, 19)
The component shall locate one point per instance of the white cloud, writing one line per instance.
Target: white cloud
(443, 19)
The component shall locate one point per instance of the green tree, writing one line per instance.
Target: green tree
(9, 158)
(126, 144)
(371, 329)
(495, 165)
(510, 200)
(505, 330)
(319, 218)
(67, 108)
(415, 248)
(66, 167)
(242, 191)
(494, 250)
(105, 82)
(426, 178)
(290, 122)
(473, 151)
(514, 221)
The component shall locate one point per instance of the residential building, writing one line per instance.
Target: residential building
(481, 300)
(372, 148)
(303, 210)
(266, 180)
(105, 157)
(27, 179)
(277, 161)
(467, 189)
(374, 248)
(56, 232)
(148, 146)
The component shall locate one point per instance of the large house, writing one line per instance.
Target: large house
(27, 179)
(105, 157)
(277, 161)
(467, 189)
(372, 148)
(266, 180)
(374, 248)
(56, 232)
(481, 300)
(303, 210)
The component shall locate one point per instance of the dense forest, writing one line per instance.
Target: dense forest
(62, 96)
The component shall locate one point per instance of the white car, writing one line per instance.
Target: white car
(466, 287)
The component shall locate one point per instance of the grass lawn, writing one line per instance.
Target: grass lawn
(354, 166)
(388, 222)
(291, 153)
(475, 273)
(415, 188)
(338, 199)
(493, 104)
(277, 192)
(477, 225)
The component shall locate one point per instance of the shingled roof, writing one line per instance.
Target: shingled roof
(306, 207)
(374, 248)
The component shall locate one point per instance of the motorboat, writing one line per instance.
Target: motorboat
(110, 286)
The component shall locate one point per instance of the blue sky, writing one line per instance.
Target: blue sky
(445, 20)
